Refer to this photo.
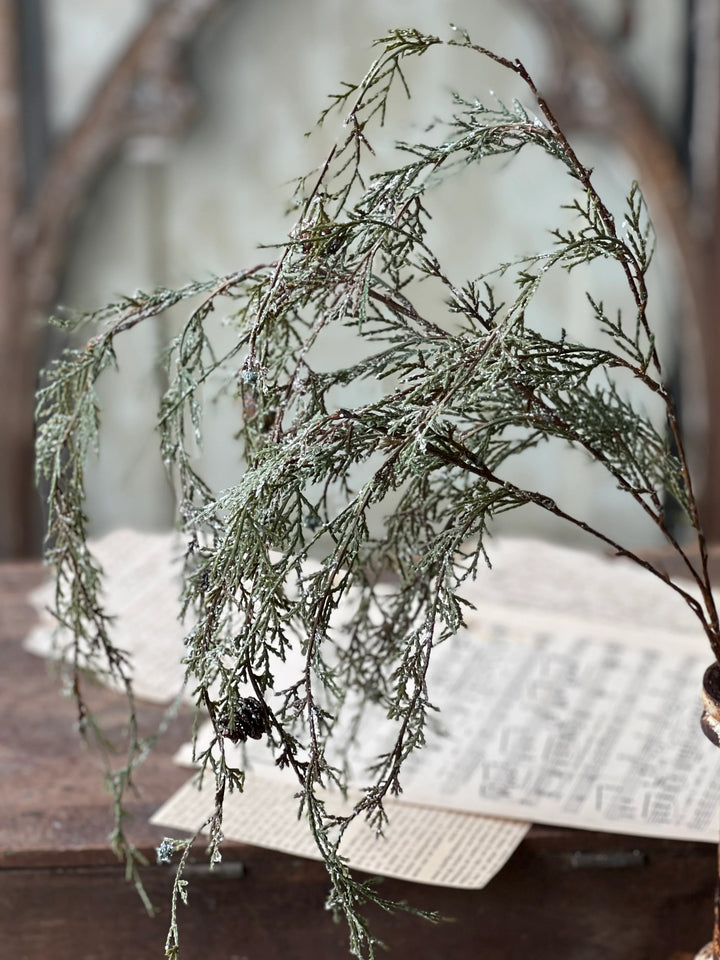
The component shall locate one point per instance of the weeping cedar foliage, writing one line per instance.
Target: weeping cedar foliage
(463, 395)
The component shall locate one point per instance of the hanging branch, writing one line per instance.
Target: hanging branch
(403, 488)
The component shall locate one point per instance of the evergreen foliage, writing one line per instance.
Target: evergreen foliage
(464, 394)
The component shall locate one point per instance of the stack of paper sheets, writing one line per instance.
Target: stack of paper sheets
(572, 698)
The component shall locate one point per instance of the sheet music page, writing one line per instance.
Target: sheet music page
(420, 844)
(570, 723)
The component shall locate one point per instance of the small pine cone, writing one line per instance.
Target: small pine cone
(250, 721)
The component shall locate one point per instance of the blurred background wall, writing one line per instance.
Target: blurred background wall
(177, 128)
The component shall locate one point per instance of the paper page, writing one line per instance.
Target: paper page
(142, 590)
(569, 723)
(534, 575)
(419, 844)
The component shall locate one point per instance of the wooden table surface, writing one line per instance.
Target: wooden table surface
(565, 894)
(54, 804)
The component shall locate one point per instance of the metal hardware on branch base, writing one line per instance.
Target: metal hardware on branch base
(710, 722)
